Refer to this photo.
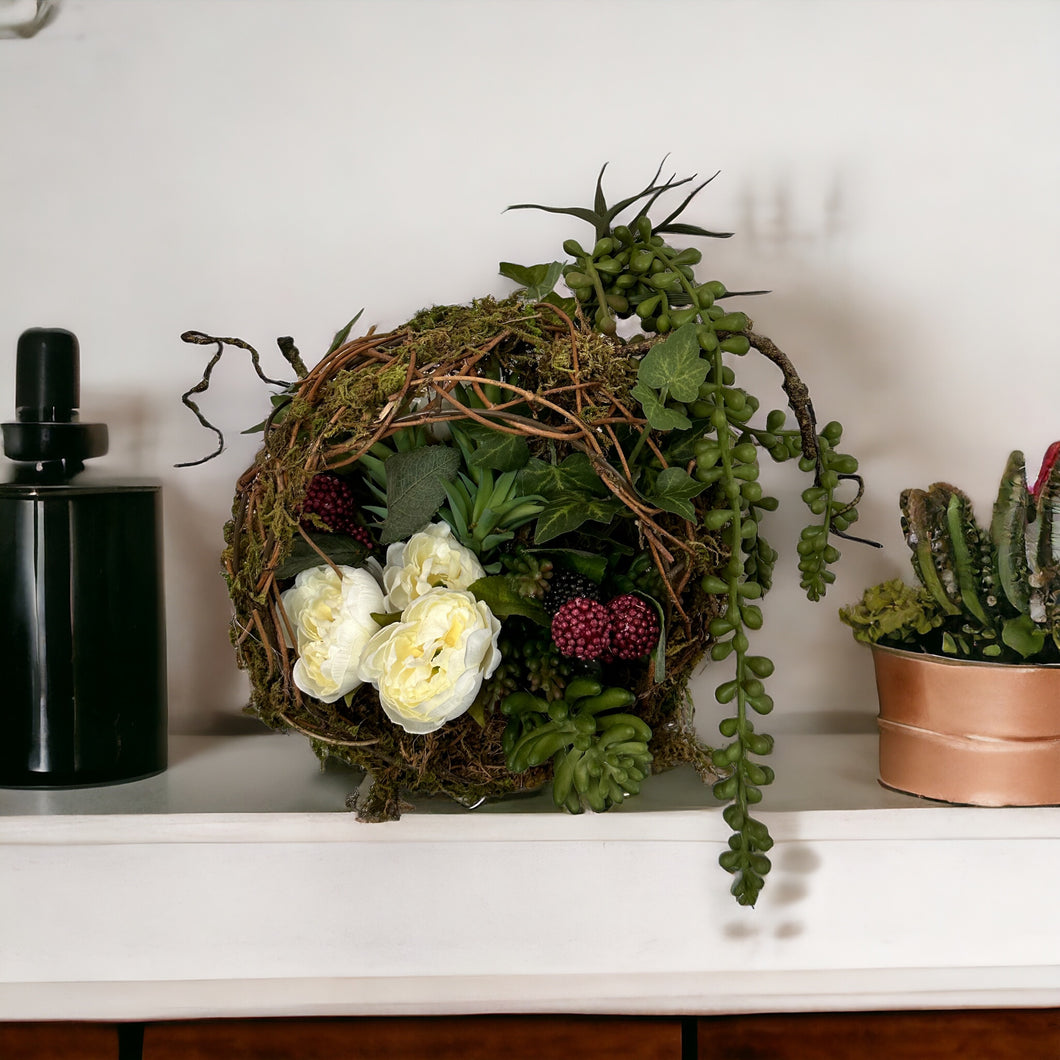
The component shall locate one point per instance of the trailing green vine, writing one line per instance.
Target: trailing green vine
(708, 467)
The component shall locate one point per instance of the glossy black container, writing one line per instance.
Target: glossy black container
(82, 626)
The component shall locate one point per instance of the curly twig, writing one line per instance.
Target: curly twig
(201, 339)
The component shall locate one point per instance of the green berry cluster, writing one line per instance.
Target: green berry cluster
(634, 271)
(530, 573)
(529, 659)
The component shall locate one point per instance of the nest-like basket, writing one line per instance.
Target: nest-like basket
(517, 368)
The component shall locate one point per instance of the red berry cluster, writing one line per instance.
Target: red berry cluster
(625, 628)
(330, 498)
(581, 629)
(634, 626)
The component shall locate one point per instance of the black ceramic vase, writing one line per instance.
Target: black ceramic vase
(82, 625)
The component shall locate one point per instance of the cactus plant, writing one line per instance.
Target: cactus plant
(987, 593)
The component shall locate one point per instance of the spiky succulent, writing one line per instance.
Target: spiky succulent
(986, 593)
(621, 275)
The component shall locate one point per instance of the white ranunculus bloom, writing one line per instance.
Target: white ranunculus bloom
(428, 667)
(330, 615)
(429, 559)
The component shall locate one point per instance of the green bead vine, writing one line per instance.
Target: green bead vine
(688, 394)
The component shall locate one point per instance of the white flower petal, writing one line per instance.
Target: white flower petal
(329, 611)
(430, 559)
(428, 667)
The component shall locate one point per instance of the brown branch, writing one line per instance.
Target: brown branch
(334, 741)
(798, 395)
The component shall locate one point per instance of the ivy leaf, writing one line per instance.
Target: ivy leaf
(498, 451)
(568, 305)
(341, 549)
(656, 413)
(675, 365)
(673, 492)
(568, 511)
(415, 489)
(513, 271)
(536, 280)
(500, 594)
(682, 447)
(574, 474)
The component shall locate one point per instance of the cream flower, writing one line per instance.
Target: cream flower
(428, 667)
(430, 558)
(331, 618)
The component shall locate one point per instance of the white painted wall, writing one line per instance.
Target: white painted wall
(269, 167)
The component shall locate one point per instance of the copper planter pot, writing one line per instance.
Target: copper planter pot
(981, 734)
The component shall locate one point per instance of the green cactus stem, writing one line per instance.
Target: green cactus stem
(989, 595)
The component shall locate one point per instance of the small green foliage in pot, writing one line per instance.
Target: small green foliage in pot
(986, 593)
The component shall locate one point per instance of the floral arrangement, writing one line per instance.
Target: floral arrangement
(988, 593)
(484, 553)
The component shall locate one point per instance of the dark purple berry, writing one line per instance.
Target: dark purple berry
(330, 498)
(565, 585)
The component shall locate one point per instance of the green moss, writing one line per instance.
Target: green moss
(892, 611)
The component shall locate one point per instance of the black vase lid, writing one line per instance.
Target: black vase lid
(47, 395)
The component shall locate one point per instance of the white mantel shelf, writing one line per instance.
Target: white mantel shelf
(235, 884)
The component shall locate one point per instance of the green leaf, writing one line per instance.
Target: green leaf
(573, 211)
(673, 492)
(498, 451)
(572, 475)
(519, 273)
(675, 365)
(568, 511)
(659, 417)
(342, 334)
(681, 447)
(415, 489)
(342, 550)
(682, 229)
(1023, 636)
(500, 593)
(568, 305)
(537, 281)
(592, 565)
(542, 287)
(1008, 530)
(658, 655)
(599, 200)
